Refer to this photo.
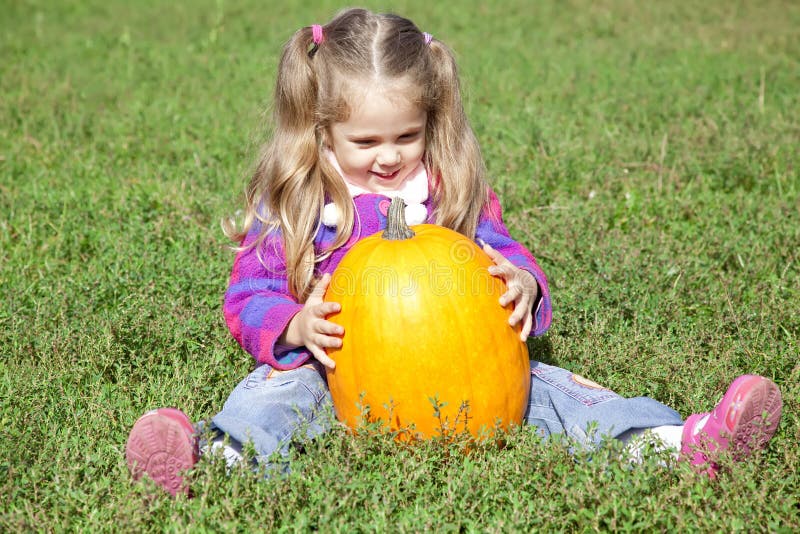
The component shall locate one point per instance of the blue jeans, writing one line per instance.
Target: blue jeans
(563, 402)
(271, 407)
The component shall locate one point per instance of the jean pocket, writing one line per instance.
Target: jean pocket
(575, 386)
(266, 375)
(257, 377)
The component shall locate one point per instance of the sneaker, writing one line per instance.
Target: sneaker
(744, 420)
(162, 444)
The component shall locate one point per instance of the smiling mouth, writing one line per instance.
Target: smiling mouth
(386, 176)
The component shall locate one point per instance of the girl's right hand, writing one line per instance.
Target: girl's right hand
(310, 329)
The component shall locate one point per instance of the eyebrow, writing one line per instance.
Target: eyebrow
(366, 136)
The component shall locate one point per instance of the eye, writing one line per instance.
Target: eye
(410, 136)
(364, 142)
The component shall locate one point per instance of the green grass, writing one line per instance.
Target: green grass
(646, 152)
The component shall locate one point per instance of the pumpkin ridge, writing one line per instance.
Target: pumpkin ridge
(361, 372)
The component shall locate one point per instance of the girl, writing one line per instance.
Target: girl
(368, 108)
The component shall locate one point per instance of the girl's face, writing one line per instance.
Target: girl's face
(381, 142)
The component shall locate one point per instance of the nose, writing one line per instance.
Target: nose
(388, 156)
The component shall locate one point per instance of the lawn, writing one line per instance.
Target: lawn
(646, 152)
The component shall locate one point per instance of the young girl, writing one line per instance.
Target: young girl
(368, 108)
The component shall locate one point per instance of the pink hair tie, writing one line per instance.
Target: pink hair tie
(316, 31)
(428, 37)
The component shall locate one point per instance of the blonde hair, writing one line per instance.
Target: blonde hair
(293, 179)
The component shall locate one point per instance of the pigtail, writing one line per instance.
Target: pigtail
(453, 155)
(287, 190)
(292, 191)
(296, 86)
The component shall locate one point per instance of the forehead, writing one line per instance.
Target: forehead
(376, 108)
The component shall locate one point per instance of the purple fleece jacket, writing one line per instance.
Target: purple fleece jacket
(258, 304)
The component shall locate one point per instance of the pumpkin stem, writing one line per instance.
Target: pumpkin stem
(396, 227)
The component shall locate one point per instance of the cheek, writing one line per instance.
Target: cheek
(355, 159)
(414, 152)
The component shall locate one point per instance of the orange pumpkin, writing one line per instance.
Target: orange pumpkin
(425, 336)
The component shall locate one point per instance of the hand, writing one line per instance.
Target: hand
(310, 329)
(522, 290)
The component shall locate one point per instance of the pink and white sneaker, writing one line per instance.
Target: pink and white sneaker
(744, 420)
(163, 445)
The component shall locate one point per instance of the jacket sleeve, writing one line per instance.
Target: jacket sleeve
(258, 304)
(493, 231)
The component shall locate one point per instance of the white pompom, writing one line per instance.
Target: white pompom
(416, 214)
(330, 215)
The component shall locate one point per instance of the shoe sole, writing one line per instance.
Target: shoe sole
(161, 446)
(754, 419)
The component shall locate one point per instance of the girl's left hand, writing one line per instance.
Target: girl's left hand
(522, 290)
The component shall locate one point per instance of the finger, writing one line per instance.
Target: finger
(329, 328)
(322, 283)
(514, 292)
(496, 256)
(526, 327)
(326, 342)
(519, 313)
(505, 271)
(322, 357)
(522, 308)
(326, 308)
(319, 289)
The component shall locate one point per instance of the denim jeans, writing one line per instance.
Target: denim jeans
(271, 408)
(563, 402)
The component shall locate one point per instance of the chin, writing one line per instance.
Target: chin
(377, 185)
(380, 187)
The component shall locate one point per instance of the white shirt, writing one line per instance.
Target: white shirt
(414, 191)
